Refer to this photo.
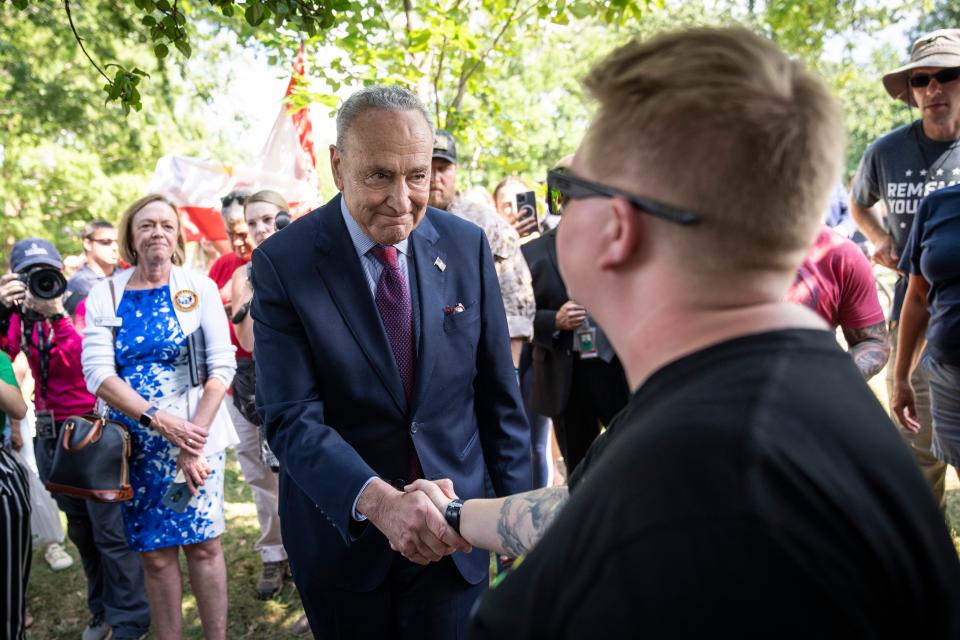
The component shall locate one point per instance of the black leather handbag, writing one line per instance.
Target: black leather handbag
(91, 459)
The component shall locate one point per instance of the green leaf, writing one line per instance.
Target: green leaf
(581, 10)
(148, 21)
(161, 50)
(183, 47)
(254, 14)
(20, 4)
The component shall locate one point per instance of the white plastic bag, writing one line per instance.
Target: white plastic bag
(45, 524)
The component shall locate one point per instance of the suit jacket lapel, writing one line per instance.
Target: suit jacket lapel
(431, 281)
(551, 245)
(341, 271)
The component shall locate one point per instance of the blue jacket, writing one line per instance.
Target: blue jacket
(332, 400)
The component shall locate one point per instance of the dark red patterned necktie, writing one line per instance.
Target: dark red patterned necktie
(393, 303)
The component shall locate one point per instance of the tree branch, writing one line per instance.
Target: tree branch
(465, 73)
(436, 80)
(66, 4)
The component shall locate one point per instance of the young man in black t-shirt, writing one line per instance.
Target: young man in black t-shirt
(752, 487)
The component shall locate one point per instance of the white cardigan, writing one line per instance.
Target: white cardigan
(98, 357)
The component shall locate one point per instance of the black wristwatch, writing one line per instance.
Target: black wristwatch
(56, 316)
(452, 514)
(146, 418)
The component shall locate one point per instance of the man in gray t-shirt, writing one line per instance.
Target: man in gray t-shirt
(901, 168)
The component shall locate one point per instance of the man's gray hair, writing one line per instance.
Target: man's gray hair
(386, 97)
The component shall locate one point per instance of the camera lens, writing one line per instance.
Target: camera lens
(47, 283)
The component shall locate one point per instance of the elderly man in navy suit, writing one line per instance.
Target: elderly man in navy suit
(383, 356)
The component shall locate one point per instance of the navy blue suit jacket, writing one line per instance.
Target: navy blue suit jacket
(332, 401)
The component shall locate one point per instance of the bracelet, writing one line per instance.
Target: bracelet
(452, 514)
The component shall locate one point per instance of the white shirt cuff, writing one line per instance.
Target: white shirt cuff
(359, 517)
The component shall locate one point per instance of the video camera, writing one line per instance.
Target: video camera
(43, 281)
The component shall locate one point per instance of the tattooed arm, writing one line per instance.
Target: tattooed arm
(509, 526)
(869, 348)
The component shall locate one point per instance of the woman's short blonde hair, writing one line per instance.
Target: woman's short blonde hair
(269, 196)
(125, 230)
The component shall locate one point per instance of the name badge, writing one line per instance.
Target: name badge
(585, 341)
(108, 321)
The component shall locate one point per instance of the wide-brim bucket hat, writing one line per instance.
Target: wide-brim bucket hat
(940, 48)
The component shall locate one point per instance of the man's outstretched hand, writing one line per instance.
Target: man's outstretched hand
(440, 492)
(412, 522)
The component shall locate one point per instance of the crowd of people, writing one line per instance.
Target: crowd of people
(637, 391)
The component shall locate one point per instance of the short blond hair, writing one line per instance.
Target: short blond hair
(125, 230)
(720, 121)
(269, 196)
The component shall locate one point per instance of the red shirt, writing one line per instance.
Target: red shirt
(836, 281)
(221, 271)
(66, 393)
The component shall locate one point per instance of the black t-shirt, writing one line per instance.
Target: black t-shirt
(753, 489)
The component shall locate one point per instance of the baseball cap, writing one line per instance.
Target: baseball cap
(444, 146)
(33, 251)
(940, 48)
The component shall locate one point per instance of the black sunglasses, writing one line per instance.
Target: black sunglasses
(920, 80)
(103, 242)
(563, 186)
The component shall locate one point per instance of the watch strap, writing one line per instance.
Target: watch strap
(146, 418)
(452, 514)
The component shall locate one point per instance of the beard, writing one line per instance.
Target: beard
(438, 201)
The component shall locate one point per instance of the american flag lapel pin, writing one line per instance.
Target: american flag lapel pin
(440, 264)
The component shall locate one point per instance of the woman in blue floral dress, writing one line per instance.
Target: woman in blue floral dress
(135, 357)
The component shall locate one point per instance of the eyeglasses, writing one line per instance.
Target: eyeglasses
(103, 242)
(920, 80)
(563, 186)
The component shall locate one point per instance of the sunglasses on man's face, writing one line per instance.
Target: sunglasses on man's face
(562, 186)
(921, 80)
(103, 242)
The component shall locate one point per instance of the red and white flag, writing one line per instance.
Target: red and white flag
(286, 164)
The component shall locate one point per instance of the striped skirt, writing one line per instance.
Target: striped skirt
(15, 546)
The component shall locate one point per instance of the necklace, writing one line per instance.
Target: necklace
(931, 170)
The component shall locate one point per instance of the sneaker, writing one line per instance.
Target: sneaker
(57, 557)
(272, 579)
(301, 627)
(98, 629)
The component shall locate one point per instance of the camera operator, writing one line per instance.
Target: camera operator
(33, 320)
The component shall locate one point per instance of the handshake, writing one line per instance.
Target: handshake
(413, 520)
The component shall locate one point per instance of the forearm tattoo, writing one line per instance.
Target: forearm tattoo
(869, 348)
(525, 517)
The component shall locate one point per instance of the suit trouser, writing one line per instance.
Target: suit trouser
(413, 603)
(264, 484)
(15, 547)
(114, 573)
(920, 443)
(539, 425)
(598, 391)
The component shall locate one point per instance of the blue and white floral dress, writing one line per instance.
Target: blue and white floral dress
(151, 353)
